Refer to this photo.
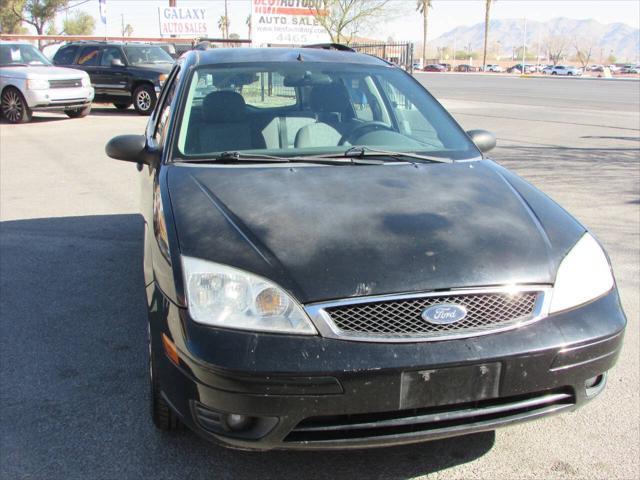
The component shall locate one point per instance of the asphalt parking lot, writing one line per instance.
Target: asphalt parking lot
(73, 385)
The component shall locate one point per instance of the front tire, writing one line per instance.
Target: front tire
(14, 107)
(163, 417)
(144, 99)
(79, 113)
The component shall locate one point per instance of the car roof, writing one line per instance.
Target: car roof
(277, 54)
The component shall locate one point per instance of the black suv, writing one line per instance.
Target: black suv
(121, 73)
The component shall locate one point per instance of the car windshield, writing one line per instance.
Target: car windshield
(139, 54)
(19, 54)
(297, 109)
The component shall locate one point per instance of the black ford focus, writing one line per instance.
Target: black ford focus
(332, 262)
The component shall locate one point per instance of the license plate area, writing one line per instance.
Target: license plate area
(448, 386)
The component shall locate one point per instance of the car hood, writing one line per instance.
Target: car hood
(328, 232)
(43, 72)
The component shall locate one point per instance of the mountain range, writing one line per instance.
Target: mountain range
(619, 39)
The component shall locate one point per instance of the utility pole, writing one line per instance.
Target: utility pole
(226, 20)
(524, 46)
(122, 24)
(455, 46)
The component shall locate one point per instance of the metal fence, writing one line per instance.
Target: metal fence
(400, 53)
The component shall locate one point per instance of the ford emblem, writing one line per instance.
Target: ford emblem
(444, 314)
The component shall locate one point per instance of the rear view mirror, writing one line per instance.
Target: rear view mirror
(131, 148)
(116, 62)
(483, 139)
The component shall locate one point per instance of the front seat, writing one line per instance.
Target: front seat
(225, 125)
(333, 112)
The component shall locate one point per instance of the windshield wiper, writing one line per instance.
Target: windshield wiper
(362, 151)
(259, 157)
(14, 65)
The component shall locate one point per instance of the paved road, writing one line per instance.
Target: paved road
(72, 317)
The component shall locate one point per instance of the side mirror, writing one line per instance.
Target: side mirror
(131, 148)
(484, 140)
(116, 62)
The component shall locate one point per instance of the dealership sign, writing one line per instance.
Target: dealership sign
(182, 21)
(286, 22)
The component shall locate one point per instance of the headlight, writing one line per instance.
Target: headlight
(227, 297)
(584, 274)
(162, 78)
(37, 84)
(86, 82)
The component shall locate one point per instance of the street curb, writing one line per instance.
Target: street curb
(546, 77)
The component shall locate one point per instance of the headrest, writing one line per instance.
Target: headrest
(223, 107)
(332, 97)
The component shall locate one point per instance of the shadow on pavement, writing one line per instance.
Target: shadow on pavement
(74, 396)
(104, 111)
(38, 118)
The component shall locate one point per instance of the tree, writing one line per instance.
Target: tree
(423, 7)
(487, 14)
(223, 25)
(584, 48)
(342, 19)
(39, 13)
(555, 46)
(247, 22)
(81, 23)
(9, 21)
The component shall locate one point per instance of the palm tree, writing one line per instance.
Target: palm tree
(223, 25)
(487, 11)
(423, 7)
(247, 22)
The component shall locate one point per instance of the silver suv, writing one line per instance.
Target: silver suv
(28, 82)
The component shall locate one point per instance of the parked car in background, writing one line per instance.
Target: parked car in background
(596, 68)
(466, 68)
(447, 66)
(121, 73)
(517, 68)
(493, 68)
(562, 70)
(320, 276)
(629, 69)
(434, 67)
(28, 83)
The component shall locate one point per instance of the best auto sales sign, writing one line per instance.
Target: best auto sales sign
(286, 22)
(182, 21)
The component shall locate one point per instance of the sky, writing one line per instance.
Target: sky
(404, 24)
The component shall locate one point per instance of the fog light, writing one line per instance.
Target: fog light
(592, 381)
(595, 385)
(237, 422)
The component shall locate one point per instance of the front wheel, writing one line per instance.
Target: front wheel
(554, 73)
(14, 107)
(144, 99)
(78, 113)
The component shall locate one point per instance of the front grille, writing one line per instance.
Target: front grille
(402, 317)
(430, 421)
(67, 83)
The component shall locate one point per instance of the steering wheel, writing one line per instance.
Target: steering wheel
(363, 129)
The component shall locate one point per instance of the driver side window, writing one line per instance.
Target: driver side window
(109, 54)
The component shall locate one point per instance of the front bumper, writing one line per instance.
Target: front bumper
(314, 392)
(59, 98)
